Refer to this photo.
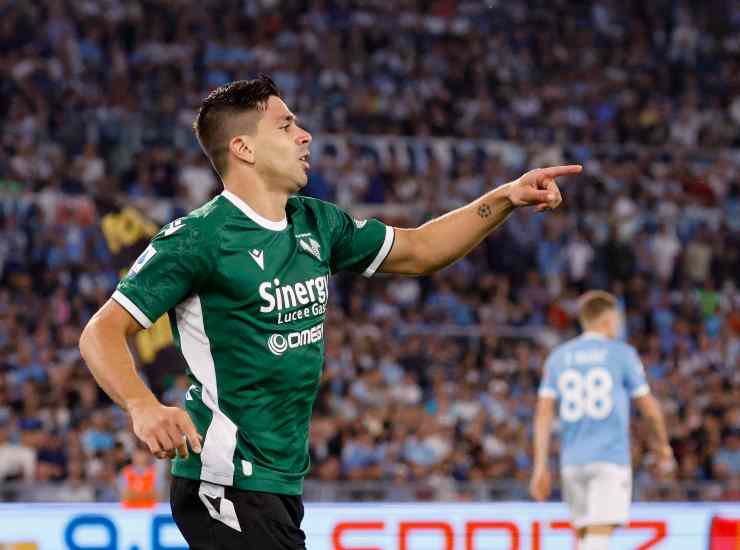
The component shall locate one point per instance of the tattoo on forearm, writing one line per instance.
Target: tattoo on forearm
(484, 210)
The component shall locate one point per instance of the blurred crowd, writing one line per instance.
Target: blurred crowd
(433, 379)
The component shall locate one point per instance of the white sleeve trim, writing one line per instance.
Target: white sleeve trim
(547, 392)
(640, 391)
(382, 253)
(132, 308)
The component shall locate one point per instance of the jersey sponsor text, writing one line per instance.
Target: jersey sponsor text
(280, 343)
(311, 293)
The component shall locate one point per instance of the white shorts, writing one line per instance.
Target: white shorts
(598, 493)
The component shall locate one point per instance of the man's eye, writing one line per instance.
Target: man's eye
(285, 127)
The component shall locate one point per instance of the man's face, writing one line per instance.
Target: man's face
(281, 147)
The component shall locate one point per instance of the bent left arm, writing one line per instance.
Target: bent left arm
(446, 239)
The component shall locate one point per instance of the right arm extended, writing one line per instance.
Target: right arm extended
(104, 348)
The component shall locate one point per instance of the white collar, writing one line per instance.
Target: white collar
(254, 216)
(591, 334)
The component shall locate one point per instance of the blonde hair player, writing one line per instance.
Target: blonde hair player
(593, 378)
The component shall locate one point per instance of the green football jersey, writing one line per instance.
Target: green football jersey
(247, 300)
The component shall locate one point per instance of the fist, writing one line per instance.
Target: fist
(539, 486)
(666, 462)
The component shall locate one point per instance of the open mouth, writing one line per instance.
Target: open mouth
(304, 159)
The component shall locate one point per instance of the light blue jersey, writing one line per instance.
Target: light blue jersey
(593, 379)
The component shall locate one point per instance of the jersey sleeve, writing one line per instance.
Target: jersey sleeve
(635, 380)
(173, 266)
(549, 383)
(358, 245)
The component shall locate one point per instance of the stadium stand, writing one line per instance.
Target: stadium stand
(416, 106)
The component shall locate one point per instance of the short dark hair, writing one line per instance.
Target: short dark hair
(594, 303)
(212, 126)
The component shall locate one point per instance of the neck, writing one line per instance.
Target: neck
(599, 332)
(267, 202)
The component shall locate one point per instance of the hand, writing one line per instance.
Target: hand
(666, 462)
(165, 430)
(538, 188)
(539, 486)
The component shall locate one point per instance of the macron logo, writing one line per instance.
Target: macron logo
(174, 226)
(188, 395)
(259, 257)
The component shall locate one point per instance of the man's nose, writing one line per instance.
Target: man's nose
(305, 137)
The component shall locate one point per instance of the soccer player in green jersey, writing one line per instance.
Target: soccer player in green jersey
(245, 280)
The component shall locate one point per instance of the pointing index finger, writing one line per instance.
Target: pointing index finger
(555, 171)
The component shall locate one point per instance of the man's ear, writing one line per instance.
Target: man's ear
(243, 148)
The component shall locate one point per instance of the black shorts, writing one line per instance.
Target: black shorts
(214, 517)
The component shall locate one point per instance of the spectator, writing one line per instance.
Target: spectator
(665, 250)
(727, 459)
(579, 254)
(141, 483)
(17, 461)
(698, 258)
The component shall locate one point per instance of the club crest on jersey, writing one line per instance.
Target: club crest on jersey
(312, 247)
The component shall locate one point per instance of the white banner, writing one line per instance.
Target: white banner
(380, 526)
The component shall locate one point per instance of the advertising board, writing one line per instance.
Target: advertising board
(379, 526)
